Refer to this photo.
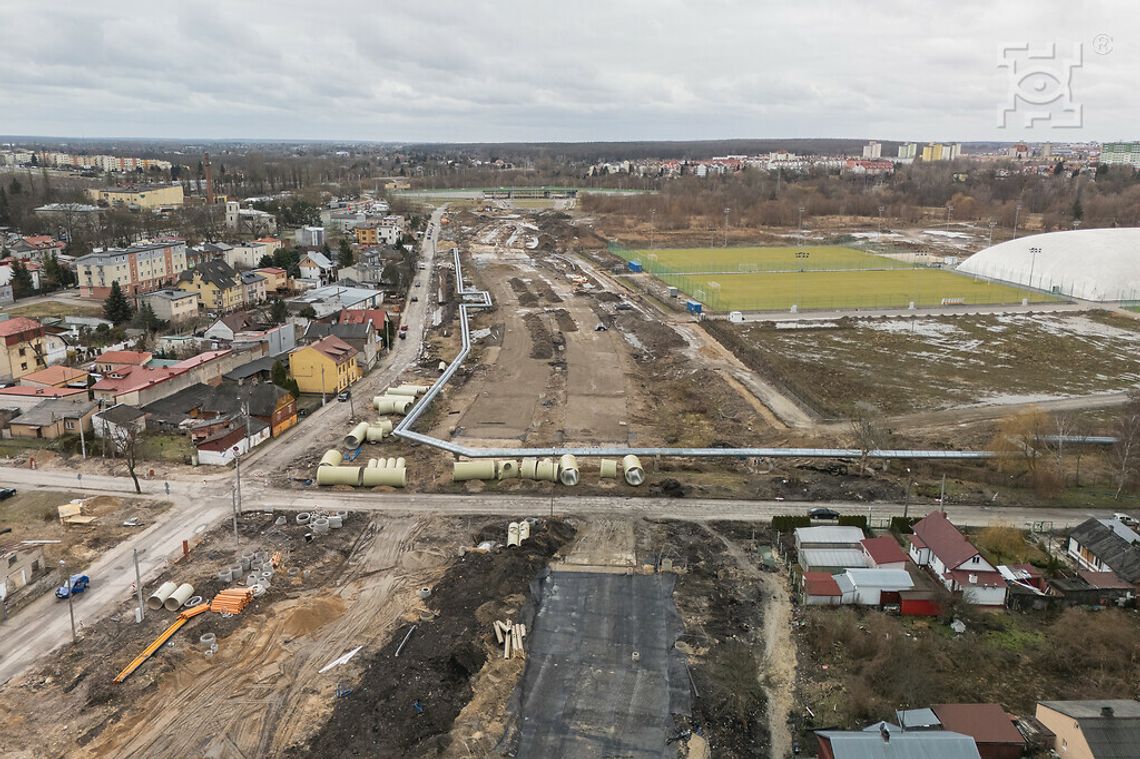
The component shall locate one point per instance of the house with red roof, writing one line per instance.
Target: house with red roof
(954, 561)
(820, 589)
(883, 552)
(110, 360)
(22, 348)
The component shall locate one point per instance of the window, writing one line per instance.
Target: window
(12, 560)
(23, 351)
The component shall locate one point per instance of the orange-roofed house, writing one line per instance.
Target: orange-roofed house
(109, 360)
(276, 278)
(325, 366)
(56, 376)
(23, 348)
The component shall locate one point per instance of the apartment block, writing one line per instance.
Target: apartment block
(138, 269)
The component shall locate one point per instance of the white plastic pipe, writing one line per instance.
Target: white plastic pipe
(524, 531)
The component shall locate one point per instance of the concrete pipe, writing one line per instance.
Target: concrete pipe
(209, 642)
(524, 531)
(546, 470)
(356, 437)
(256, 565)
(332, 457)
(396, 477)
(343, 513)
(568, 470)
(631, 467)
(236, 570)
(480, 469)
(401, 463)
(180, 596)
(376, 432)
(335, 522)
(303, 517)
(424, 593)
(339, 475)
(193, 601)
(507, 470)
(248, 554)
(224, 576)
(414, 391)
(513, 534)
(251, 580)
(390, 462)
(608, 469)
(259, 589)
(267, 575)
(158, 598)
(373, 463)
(320, 526)
(388, 406)
(527, 469)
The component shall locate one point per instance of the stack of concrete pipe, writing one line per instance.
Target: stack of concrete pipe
(393, 404)
(180, 596)
(394, 475)
(565, 470)
(158, 599)
(371, 432)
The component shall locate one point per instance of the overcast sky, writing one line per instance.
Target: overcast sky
(437, 70)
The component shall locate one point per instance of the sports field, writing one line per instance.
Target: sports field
(762, 259)
(815, 277)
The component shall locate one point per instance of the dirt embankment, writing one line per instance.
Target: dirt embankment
(407, 705)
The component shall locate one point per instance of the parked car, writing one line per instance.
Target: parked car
(415, 299)
(76, 584)
(6, 493)
(823, 512)
(343, 396)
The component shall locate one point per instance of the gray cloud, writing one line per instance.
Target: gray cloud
(514, 70)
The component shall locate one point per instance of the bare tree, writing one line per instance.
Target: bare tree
(1126, 450)
(125, 443)
(869, 435)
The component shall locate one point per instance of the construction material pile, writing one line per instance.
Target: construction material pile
(511, 636)
(232, 601)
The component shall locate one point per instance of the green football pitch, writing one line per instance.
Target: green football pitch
(808, 258)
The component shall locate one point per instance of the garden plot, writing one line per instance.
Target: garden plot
(923, 364)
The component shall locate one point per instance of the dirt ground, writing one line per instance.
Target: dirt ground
(261, 692)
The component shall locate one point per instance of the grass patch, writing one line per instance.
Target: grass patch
(165, 447)
(760, 259)
(50, 308)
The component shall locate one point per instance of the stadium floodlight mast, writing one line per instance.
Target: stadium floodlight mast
(727, 211)
(949, 211)
(881, 209)
(992, 225)
(1033, 262)
(652, 226)
(801, 226)
(1016, 214)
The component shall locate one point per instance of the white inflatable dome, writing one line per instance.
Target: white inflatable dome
(1090, 264)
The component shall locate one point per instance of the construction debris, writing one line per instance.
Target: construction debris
(232, 601)
(183, 618)
(511, 636)
(343, 659)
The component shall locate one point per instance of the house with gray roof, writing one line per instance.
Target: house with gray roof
(1107, 545)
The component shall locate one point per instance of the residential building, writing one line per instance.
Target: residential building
(138, 269)
(989, 725)
(237, 439)
(272, 243)
(38, 248)
(316, 268)
(938, 545)
(20, 398)
(1099, 729)
(119, 422)
(276, 340)
(382, 232)
(829, 549)
(936, 151)
(868, 168)
(255, 287)
(6, 295)
(908, 151)
(208, 251)
(75, 211)
(54, 418)
(374, 316)
(203, 411)
(33, 268)
(272, 405)
(326, 301)
(1120, 154)
(141, 385)
(360, 336)
(228, 325)
(247, 255)
(56, 376)
(310, 237)
(174, 305)
(1107, 545)
(276, 279)
(24, 350)
(249, 220)
(874, 587)
(883, 552)
(20, 564)
(217, 284)
(362, 274)
(151, 197)
(872, 150)
(889, 742)
(327, 366)
(110, 360)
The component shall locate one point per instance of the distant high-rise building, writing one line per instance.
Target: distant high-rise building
(1121, 153)
(872, 150)
(908, 150)
(937, 151)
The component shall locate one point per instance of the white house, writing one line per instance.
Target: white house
(118, 421)
(829, 548)
(937, 545)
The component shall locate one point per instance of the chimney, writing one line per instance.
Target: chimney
(884, 732)
(1107, 711)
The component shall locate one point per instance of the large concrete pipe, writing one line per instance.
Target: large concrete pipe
(356, 438)
(401, 462)
(158, 597)
(568, 470)
(180, 596)
(396, 477)
(507, 470)
(631, 466)
(390, 406)
(390, 462)
(414, 391)
(377, 431)
(373, 463)
(332, 457)
(339, 475)
(480, 469)
(546, 470)
(527, 470)
(607, 469)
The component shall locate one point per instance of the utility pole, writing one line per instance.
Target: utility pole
(949, 210)
(234, 511)
(237, 476)
(138, 586)
(906, 499)
(322, 384)
(992, 225)
(881, 209)
(801, 226)
(70, 598)
(1016, 214)
(942, 498)
(82, 438)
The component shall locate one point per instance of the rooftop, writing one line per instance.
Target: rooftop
(933, 744)
(942, 537)
(46, 392)
(985, 723)
(335, 348)
(829, 534)
(125, 358)
(1122, 708)
(18, 325)
(820, 584)
(54, 409)
(55, 375)
(171, 294)
(883, 549)
(1112, 548)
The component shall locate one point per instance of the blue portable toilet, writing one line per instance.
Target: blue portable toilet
(635, 267)
(693, 307)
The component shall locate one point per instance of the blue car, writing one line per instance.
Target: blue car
(77, 584)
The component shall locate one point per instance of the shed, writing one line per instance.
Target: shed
(820, 589)
(874, 587)
(883, 552)
(988, 724)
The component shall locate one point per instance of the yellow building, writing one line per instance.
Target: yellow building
(139, 196)
(326, 366)
(218, 286)
(22, 349)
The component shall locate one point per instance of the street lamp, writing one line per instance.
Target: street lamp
(949, 210)
(992, 225)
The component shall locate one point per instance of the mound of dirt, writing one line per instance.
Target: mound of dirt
(565, 321)
(406, 706)
(541, 342)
